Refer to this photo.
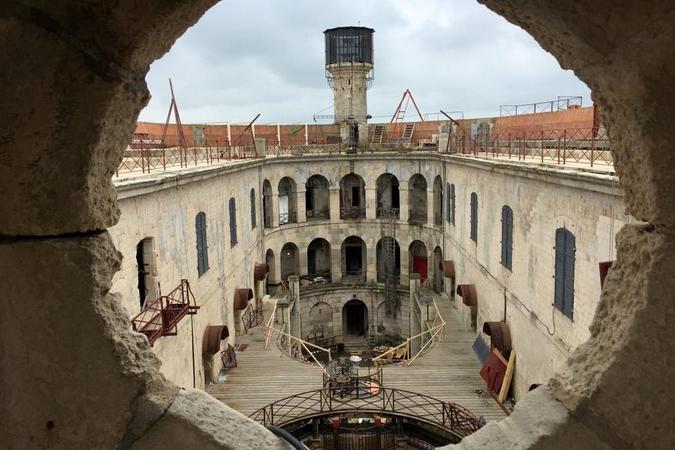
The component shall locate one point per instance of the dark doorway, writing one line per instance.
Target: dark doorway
(355, 318)
(353, 260)
(141, 272)
(356, 196)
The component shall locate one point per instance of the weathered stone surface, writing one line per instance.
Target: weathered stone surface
(615, 382)
(197, 420)
(69, 108)
(538, 422)
(70, 365)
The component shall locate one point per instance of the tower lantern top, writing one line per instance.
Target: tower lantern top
(347, 45)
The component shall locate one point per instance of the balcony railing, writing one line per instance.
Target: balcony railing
(417, 217)
(352, 212)
(380, 400)
(252, 316)
(288, 217)
(388, 213)
(160, 317)
(318, 214)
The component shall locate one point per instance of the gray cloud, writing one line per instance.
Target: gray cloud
(266, 56)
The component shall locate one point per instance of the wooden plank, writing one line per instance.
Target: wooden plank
(506, 383)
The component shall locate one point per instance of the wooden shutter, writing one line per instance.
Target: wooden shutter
(253, 210)
(568, 298)
(474, 216)
(565, 249)
(507, 236)
(202, 246)
(233, 222)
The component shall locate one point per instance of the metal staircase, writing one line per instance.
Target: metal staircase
(388, 229)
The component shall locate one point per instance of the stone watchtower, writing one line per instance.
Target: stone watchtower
(349, 71)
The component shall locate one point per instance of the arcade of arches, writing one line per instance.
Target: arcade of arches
(73, 374)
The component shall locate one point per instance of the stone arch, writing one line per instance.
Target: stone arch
(384, 269)
(352, 197)
(417, 199)
(317, 198)
(355, 319)
(388, 196)
(588, 397)
(288, 206)
(354, 259)
(417, 259)
(319, 259)
(320, 324)
(289, 261)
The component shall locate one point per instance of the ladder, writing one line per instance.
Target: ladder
(408, 131)
(378, 134)
(392, 302)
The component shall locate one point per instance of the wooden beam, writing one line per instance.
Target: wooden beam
(508, 376)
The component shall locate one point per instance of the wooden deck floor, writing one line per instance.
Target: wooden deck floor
(449, 372)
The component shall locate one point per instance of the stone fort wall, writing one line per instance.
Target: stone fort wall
(163, 206)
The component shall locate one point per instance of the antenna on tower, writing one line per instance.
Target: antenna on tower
(173, 107)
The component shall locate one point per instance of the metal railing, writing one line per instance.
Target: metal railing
(560, 104)
(323, 402)
(561, 146)
(252, 316)
(432, 335)
(288, 217)
(146, 153)
(160, 317)
(352, 212)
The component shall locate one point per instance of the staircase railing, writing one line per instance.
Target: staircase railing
(431, 335)
(271, 330)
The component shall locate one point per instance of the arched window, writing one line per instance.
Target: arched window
(145, 261)
(253, 211)
(233, 222)
(507, 237)
(565, 250)
(202, 245)
(474, 217)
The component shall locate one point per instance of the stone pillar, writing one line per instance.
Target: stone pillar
(336, 262)
(301, 202)
(294, 305)
(415, 320)
(405, 264)
(275, 210)
(403, 200)
(371, 259)
(302, 261)
(371, 203)
(430, 206)
(334, 199)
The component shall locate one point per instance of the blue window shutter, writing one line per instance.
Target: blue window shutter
(452, 196)
(570, 250)
(448, 201)
(202, 246)
(233, 222)
(253, 210)
(507, 237)
(474, 216)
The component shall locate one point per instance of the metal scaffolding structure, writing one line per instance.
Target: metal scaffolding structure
(388, 229)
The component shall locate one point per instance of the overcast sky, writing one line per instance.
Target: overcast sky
(267, 56)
